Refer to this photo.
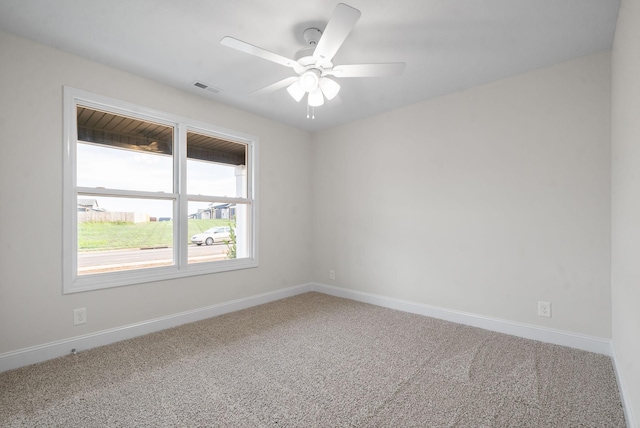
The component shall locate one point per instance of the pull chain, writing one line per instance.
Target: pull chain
(311, 115)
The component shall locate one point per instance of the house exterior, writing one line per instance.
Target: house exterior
(86, 205)
(220, 211)
(225, 211)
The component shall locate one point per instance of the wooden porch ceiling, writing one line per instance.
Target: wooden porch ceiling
(99, 127)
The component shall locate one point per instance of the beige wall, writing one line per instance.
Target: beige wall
(33, 310)
(483, 201)
(626, 200)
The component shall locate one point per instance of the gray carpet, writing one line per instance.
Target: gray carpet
(317, 361)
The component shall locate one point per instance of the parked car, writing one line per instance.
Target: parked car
(215, 234)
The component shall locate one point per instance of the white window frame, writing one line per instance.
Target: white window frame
(72, 282)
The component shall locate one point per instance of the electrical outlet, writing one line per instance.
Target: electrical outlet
(79, 316)
(544, 309)
(332, 275)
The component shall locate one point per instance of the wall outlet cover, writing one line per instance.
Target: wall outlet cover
(79, 316)
(544, 309)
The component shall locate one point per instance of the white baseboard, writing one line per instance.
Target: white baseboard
(36, 354)
(47, 351)
(527, 331)
(626, 404)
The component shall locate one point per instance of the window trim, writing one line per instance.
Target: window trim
(72, 282)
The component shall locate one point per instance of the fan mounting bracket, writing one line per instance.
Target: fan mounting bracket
(312, 36)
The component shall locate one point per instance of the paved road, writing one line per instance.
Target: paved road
(104, 261)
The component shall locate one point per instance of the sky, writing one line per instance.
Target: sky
(110, 168)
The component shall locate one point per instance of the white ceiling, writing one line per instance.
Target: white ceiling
(447, 45)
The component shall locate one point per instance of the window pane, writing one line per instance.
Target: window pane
(117, 152)
(216, 231)
(116, 234)
(215, 167)
(209, 178)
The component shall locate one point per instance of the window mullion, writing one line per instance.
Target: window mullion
(181, 222)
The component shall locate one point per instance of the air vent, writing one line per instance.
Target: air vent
(207, 87)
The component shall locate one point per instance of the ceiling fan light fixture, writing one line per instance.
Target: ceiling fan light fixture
(309, 80)
(330, 88)
(315, 98)
(314, 62)
(296, 91)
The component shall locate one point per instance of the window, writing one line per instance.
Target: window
(150, 196)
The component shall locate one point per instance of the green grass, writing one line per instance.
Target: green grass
(119, 235)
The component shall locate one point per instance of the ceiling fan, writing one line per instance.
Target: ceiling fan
(313, 64)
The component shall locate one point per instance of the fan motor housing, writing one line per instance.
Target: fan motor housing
(305, 56)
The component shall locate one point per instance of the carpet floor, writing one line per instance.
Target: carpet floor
(317, 361)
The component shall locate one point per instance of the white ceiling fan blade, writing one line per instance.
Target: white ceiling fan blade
(256, 51)
(340, 24)
(369, 70)
(275, 86)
